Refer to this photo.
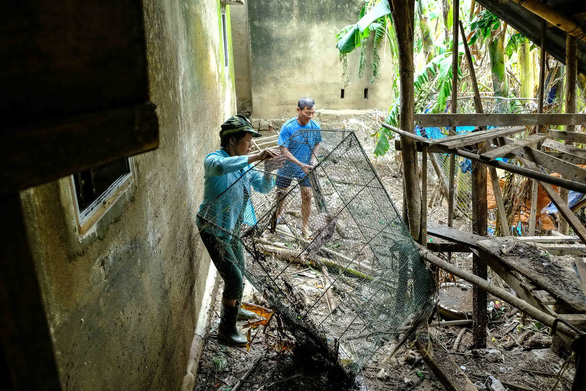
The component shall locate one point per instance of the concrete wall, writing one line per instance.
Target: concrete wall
(293, 54)
(123, 300)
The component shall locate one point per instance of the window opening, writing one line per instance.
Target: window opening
(94, 186)
(366, 93)
(225, 37)
(342, 93)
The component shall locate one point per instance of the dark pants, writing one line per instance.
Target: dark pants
(228, 258)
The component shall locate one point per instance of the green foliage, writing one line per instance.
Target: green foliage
(483, 25)
(379, 35)
(383, 134)
(353, 36)
(515, 42)
(345, 74)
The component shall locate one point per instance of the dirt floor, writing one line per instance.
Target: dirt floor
(518, 356)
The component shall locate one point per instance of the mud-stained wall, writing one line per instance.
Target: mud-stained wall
(293, 54)
(123, 299)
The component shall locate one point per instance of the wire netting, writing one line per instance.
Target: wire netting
(375, 280)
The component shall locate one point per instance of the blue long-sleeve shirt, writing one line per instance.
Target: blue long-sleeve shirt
(224, 197)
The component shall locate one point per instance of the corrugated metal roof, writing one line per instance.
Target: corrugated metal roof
(529, 24)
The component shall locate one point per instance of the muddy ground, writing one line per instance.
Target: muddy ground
(518, 356)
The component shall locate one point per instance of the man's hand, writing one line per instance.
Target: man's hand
(273, 160)
(306, 168)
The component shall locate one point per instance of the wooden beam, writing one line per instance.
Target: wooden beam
(448, 120)
(565, 211)
(568, 153)
(530, 173)
(441, 247)
(549, 239)
(536, 314)
(574, 137)
(40, 153)
(568, 170)
(472, 138)
(513, 145)
(403, 14)
(25, 337)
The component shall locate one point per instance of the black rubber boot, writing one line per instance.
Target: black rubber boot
(227, 331)
(245, 314)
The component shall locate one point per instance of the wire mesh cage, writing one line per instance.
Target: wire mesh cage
(375, 281)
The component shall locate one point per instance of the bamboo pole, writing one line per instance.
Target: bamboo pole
(502, 216)
(454, 108)
(424, 153)
(479, 213)
(553, 17)
(571, 75)
(540, 129)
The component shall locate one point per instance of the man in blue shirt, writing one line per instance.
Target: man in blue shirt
(229, 180)
(299, 140)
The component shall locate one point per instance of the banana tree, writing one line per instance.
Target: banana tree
(487, 27)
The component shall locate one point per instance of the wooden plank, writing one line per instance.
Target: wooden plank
(581, 266)
(25, 340)
(568, 149)
(44, 152)
(575, 137)
(448, 372)
(544, 297)
(563, 208)
(476, 137)
(549, 239)
(513, 145)
(500, 204)
(442, 247)
(543, 272)
(563, 249)
(501, 293)
(568, 170)
(467, 239)
(522, 289)
(568, 153)
(450, 120)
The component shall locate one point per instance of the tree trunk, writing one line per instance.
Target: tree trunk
(447, 15)
(403, 13)
(500, 82)
(426, 37)
(526, 67)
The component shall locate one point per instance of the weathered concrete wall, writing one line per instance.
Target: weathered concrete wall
(242, 57)
(293, 54)
(124, 299)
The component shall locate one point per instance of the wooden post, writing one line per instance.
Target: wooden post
(479, 217)
(424, 152)
(571, 74)
(25, 338)
(403, 13)
(456, 18)
(540, 129)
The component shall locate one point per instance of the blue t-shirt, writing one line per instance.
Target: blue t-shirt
(300, 141)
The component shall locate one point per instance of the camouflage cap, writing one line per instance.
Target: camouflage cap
(238, 123)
